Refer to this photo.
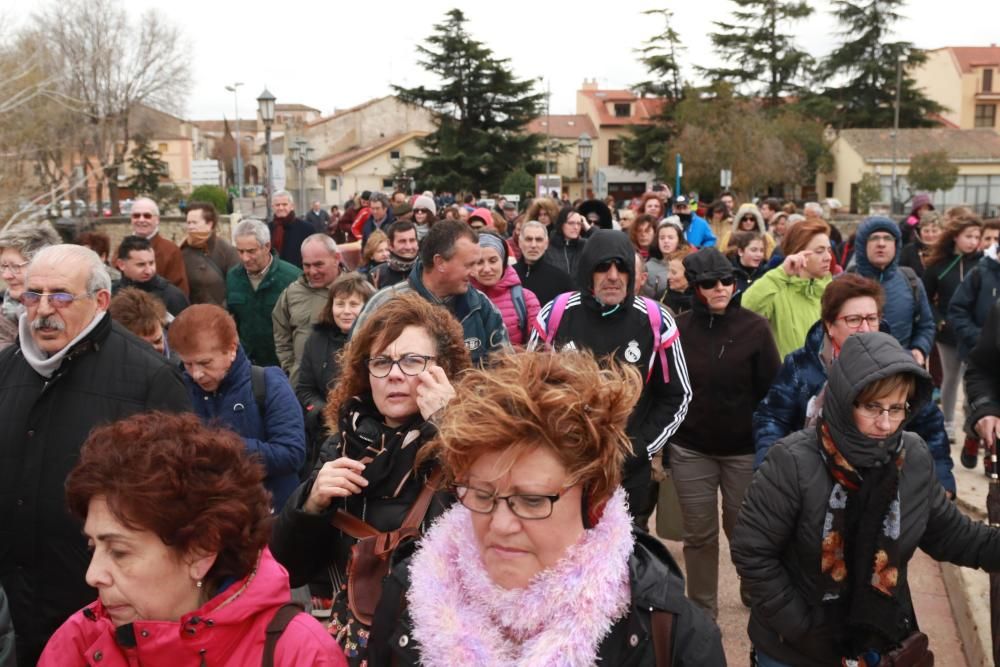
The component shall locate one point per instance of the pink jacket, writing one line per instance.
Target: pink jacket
(499, 294)
(223, 631)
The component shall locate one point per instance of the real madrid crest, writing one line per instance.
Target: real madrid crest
(632, 352)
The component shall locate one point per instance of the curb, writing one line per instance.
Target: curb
(971, 611)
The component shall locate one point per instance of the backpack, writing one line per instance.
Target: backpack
(258, 383)
(285, 614)
(517, 297)
(655, 323)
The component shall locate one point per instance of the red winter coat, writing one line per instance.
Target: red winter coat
(230, 633)
(499, 294)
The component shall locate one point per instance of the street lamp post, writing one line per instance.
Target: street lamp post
(300, 157)
(239, 145)
(895, 132)
(265, 106)
(584, 149)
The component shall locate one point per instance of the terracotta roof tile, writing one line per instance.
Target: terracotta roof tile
(876, 144)
(563, 126)
(971, 56)
(643, 108)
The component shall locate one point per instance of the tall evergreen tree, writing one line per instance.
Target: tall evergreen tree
(644, 148)
(864, 69)
(147, 167)
(481, 113)
(758, 49)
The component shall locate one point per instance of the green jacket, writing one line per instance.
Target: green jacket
(789, 303)
(252, 309)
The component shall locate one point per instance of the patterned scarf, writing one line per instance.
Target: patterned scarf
(860, 548)
(460, 617)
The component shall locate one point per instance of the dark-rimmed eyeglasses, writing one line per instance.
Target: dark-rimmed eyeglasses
(530, 506)
(606, 265)
(855, 321)
(710, 283)
(145, 216)
(409, 364)
(874, 410)
(57, 300)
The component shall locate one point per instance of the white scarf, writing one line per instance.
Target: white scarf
(460, 617)
(44, 365)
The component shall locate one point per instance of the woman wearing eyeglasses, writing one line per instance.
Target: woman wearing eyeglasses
(18, 245)
(732, 360)
(395, 381)
(837, 510)
(851, 304)
(539, 564)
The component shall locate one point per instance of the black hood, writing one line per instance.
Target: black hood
(865, 358)
(604, 245)
(604, 217)
(707, 263)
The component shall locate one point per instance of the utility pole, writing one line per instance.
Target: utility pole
(239, 145)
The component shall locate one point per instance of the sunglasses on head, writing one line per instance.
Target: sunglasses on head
(606, 265)
(710, 283)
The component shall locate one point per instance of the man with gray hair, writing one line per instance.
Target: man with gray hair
(542, 277)
(381, 216)
(318, 217)
(253, 289)
(288, 231)
(299, 306)
(73, 368)
(145, 216)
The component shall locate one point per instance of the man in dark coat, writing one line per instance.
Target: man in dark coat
(542, 277)
(318, 217)
(287, 231)
(73, 368)
(137, 263)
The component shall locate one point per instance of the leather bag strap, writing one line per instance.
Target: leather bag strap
(359, 530)
(663, 637)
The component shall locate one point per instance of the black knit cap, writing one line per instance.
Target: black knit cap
(707, 264)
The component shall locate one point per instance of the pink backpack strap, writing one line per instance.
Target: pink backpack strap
(555, 317)
(656, 323)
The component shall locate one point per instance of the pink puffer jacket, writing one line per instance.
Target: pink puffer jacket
(500, 295)
(226, 630)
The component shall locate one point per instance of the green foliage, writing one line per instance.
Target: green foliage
(147, 167)
(865, 64)
(481, 110)
(869, 191)
(761, 60)
(932, 171)
(518, 182)
(213, 194)
(167, 196)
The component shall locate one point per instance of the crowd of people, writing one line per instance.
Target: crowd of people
(422, 430)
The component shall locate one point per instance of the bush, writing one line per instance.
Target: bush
(212, 194)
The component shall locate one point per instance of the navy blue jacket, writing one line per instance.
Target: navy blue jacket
(801, 377)
(278, 436)
(971, 303)
(911, 323)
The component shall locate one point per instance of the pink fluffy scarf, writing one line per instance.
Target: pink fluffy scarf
(461, 618)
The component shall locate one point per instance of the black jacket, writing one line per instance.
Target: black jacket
(982, 375)
(318, 371)
(296, 231)
(731, 360)
(109, 375)
(172, 298)
(776, 545)
(564, 253)
(745, 276)
(941, 280)
(543, 278)
(655, 581)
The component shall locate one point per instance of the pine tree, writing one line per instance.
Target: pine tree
(644, 149)
(147, 167)
(758, 49)
(864, 67)
(481, 113)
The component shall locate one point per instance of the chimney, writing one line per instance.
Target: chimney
(590, 84)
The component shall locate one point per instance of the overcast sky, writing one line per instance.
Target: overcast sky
(334, 55)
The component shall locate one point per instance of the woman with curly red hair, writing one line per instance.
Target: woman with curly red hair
(395, 379)
(177, 518)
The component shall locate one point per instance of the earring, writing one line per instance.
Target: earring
(198, 583)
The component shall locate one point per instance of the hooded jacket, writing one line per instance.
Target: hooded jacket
(731, 361)
(500, 295)
(970, 304)
(481, 322)
(776, 545)
(655, 582)
(697, 232)
(624, 332)
(745, 209)
(564, 253)
(277, 436)
(911, 322)
(791, 305)
(801, 378)
(226, 630)
(908, 227)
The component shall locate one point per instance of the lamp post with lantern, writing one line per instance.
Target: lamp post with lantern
(265, 106)
(239, 145)
(585, 148)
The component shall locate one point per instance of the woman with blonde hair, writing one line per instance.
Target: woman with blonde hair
(375, 252)
(538, 563)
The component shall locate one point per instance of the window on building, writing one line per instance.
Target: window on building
(162, 148)
(623, 109)
(333, 185)
(616, 153)
(987, 80)
(986, 115)
(393, 155)
(388, 183)
(829, 188)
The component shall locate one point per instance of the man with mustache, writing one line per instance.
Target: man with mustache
(607, 318)
(73, 368)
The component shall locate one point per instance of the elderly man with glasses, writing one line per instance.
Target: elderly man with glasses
(73, 368)
(145, 216)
